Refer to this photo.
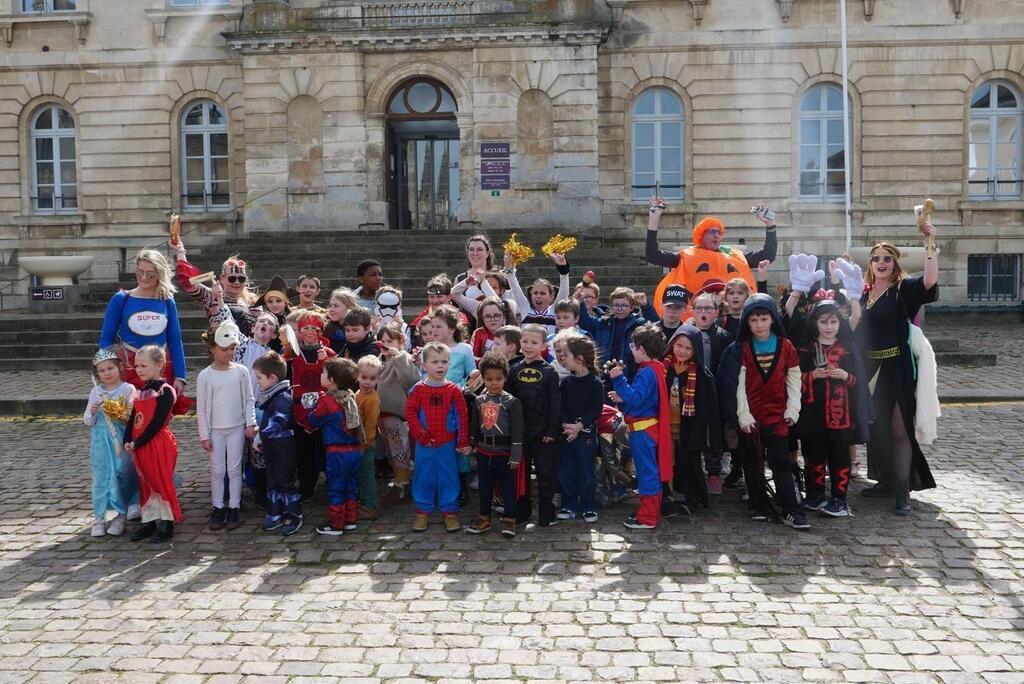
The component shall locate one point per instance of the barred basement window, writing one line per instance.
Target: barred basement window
(993, 277)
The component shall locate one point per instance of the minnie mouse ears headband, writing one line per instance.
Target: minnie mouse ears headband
(233, 267)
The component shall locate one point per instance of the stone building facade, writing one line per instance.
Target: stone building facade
(339, 115)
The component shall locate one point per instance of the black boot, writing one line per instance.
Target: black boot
(164, 532)
(878, 490)
(145, 531)
(903, 498)
(463, 489)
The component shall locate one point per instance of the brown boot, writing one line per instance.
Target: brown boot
(367, 513)
(508, 527)
(451, 523)
(482, 525)
(419, 523)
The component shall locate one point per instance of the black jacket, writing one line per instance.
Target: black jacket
(702, 432)
(535, 385)
(365, 347)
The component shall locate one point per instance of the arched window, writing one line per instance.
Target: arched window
(657, 145)
(822, 154)
(54, 175)
(994, 143)
(204, 154)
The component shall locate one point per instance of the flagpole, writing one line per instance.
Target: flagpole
(846, 125)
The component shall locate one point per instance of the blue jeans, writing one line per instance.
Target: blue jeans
(576, 473)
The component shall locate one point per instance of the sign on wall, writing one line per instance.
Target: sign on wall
(495, 167)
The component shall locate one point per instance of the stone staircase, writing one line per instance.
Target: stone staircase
(409, 259)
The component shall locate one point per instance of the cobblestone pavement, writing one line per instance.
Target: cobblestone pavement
(932, 597)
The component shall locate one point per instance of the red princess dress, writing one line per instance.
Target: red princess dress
(156, 451)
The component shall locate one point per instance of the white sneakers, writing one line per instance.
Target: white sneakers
(134, 512)
(116, 526)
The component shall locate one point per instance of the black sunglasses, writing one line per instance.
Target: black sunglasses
(236, 279)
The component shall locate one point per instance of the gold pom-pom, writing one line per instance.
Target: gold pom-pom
(517, 250)
(559, 244)
(117, 409)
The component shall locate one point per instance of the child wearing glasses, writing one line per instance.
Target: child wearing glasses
(714, 340)
(492, 314)
(612, 332)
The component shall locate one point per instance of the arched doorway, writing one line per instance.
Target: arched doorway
(422, 146)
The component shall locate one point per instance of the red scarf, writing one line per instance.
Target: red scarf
(662, 432)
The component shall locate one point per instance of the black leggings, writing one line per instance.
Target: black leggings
(826, 448)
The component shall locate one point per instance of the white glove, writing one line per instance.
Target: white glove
(309, 400)
(802, 275)
(852, 276)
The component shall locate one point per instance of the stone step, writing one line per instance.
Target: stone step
(16, 322)
(945, 345)
(78, 363)
(84, 350)
(968, 359)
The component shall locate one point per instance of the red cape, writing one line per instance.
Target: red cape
(663, 430)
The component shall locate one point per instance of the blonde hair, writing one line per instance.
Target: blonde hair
(346, 296)
(370, 361)
(435, 348)
(154, 353)
(165, 286)
(247, 296)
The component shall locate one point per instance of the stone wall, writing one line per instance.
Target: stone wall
(307, 117)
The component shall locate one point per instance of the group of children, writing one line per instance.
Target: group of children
(307, 390)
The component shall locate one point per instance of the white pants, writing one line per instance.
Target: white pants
(226, 457)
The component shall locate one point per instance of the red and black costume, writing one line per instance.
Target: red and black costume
(306, 368)
(831, 413)
(156, 451)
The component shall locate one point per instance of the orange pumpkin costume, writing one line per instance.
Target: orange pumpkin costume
(699, 267)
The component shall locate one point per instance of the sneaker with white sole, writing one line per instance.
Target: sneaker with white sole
(796, 520)
(590, 517)
(836, 508)
(116, 526)
(566, 514)
(632, 523)
(134, 512)
(99, 528)
(329, 530)
(815, 502)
